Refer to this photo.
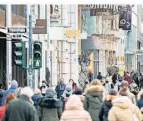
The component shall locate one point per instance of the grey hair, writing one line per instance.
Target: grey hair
(27, 91)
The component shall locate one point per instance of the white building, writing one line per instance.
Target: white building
(62, 60)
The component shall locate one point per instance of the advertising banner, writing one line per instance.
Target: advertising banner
(125, 18)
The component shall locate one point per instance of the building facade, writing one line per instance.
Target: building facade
(104, 39)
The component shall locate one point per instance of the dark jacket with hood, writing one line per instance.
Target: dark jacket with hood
(20, 109)
(106, 106)
(36, 98)
(93, 101)
(60, 88)
(12, 89)
(50, 108)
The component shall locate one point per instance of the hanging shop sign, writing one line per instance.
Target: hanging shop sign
(125, 18)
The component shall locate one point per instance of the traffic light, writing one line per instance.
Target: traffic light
(19, 52)
(37, 55)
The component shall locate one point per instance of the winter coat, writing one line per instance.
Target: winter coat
(107, 87)
(93, 101)
(20, 109)
(10, 90)
(36, 98)
(131, 96)
(50, 109)
(60, 89)
(123, 110)
(128, 79)
(74, 110)
(2, 110)
(140, 99)
(106, 106)
(99, 77)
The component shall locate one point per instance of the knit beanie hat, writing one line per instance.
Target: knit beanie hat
(14, 84)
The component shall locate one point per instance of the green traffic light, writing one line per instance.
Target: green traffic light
(20, 54)
(37, 55)
(18, 45)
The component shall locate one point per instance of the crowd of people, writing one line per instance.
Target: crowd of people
(111, 100)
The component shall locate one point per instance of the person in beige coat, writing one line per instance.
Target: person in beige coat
(124, 110)
(74, 110)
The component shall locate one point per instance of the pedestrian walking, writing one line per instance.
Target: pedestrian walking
(9, 97)
(124, 110)
(12, 89)
(74, 110)
(99, 76)
(125, 88)
(78, 92)
(36, 97)
(44, 87)
(73, 84)
(66, 94)
(106, 106)
(107, 86)
(21, 109)
(93, 101)
(60, 88)
(50, 108)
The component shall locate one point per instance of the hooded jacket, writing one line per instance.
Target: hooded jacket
(123, 110)
(106, 106)
(50, 108)
(93, 101)
(74, 110)
(12, 89)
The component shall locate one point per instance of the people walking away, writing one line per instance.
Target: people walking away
(99, 76)
(60, 88)
(12, 89)
(74, 110)
(78, 92)
(9, 97)
(21, 109)
(50, 107)
(107, 86)
(93, 101)
(106, 106)
(124, 110)
(125, 87)
(36, 97)
(119, 82)
(127, 78)
(44, 87)
(66, 94)
(133, 87)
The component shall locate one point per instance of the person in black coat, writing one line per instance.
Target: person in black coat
(99, 76)
(106, 106)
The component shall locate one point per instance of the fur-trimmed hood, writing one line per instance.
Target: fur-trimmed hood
(95, 88)
(122, 102)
